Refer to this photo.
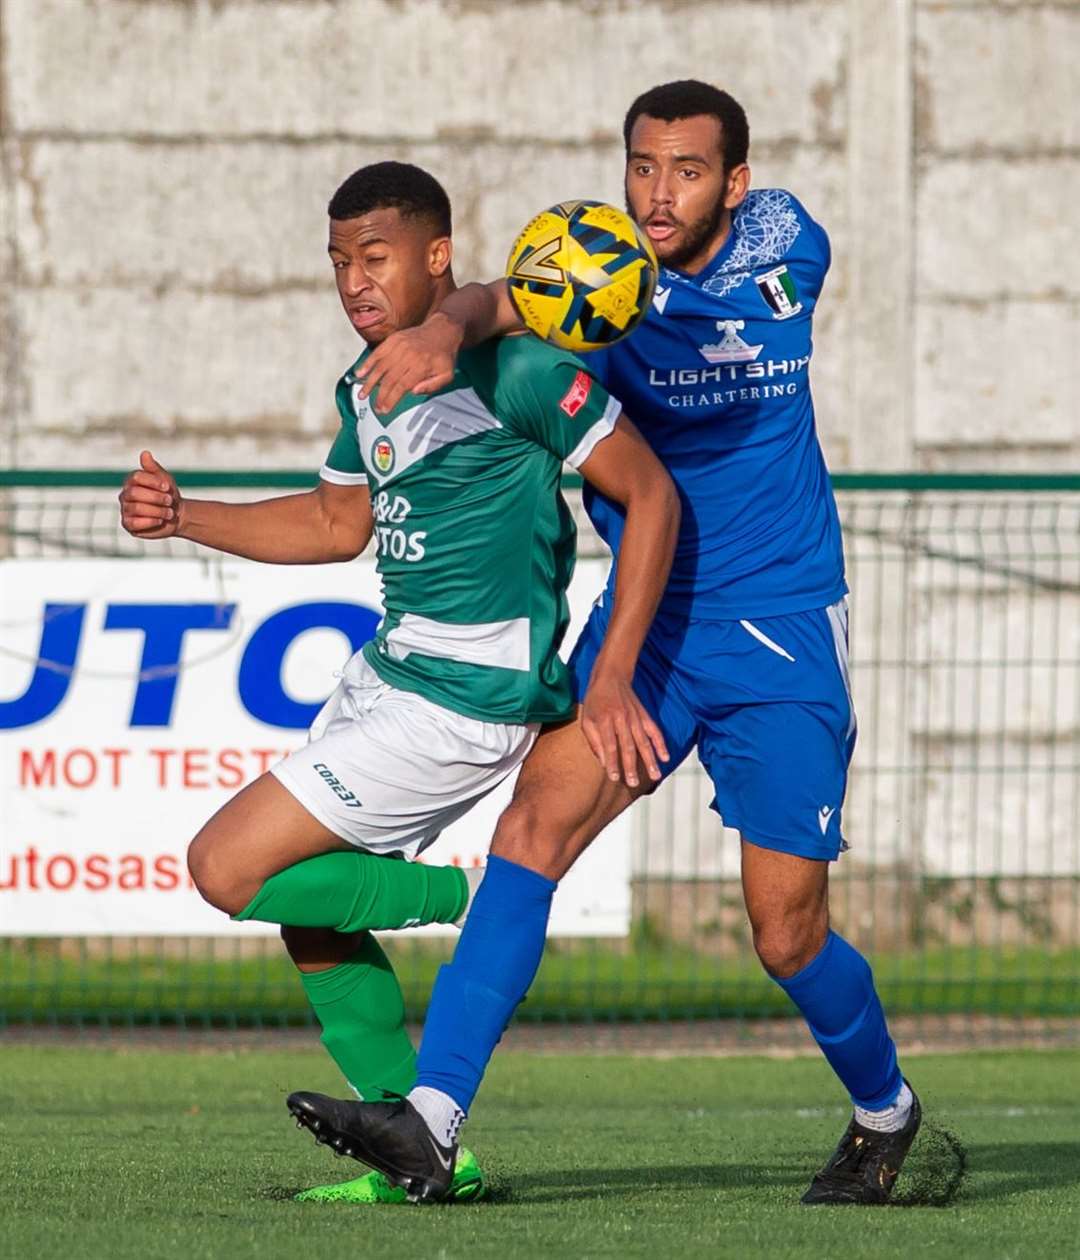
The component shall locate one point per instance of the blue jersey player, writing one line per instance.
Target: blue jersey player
(745, 664)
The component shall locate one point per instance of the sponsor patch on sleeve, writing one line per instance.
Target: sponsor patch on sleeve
(577, 395)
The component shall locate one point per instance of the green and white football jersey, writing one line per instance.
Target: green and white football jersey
(475, 545)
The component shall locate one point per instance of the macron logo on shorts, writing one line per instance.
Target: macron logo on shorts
(577, 395)
(336, 786)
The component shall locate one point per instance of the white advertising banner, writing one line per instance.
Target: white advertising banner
(136, 697)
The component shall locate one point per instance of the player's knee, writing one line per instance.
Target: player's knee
(522, 836)
(788, 945)
(215, 880)
(304, 943)
(317, 949)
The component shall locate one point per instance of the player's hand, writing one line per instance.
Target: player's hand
(619, 730)
(416, 360)
(150, 503)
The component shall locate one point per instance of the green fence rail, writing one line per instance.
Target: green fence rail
(963, 881)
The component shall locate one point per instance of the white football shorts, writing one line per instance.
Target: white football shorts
(387, 770)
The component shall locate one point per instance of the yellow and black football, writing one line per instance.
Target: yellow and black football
(582, 275)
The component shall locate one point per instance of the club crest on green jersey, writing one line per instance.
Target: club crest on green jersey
(778, 289)
(382, 454)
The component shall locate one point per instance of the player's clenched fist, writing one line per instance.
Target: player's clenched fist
(150, 503)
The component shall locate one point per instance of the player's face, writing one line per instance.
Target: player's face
(389, 270)
(678, 190)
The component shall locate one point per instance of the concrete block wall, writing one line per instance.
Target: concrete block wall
(166, 165)
(997, 273)
(169, 165)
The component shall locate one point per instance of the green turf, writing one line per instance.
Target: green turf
(42, 981)
(155, 1153)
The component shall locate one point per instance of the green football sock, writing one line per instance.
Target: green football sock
(362, 1012)
(359, 892)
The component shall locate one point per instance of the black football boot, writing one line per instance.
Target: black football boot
(864, 1167)
(390, 1136)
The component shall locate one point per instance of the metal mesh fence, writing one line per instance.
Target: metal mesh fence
(963, 880)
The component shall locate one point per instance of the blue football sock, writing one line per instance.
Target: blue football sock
(836, 995)
(476, 994)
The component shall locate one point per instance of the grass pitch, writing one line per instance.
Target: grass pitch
(118, 1153)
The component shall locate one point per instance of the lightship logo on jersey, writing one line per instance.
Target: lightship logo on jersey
(730, 348)
(778, 290)
(382, 454)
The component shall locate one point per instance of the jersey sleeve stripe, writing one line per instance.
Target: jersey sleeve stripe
(595, 434)
(339, 478)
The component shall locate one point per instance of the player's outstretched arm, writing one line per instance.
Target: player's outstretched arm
(421, 360)
(328, 523)
(619, 730)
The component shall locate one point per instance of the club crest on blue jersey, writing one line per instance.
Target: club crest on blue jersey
(778, 289)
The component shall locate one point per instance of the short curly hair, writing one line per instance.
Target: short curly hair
(686, 98)
(393, 185)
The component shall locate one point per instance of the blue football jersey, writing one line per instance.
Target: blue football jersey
(717, 379)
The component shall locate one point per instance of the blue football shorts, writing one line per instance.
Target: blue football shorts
(766, 703)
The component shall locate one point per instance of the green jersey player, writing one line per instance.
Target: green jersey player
(475, 543)
(460, 492)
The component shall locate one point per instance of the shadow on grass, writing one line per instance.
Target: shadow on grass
(1018, 1167)
(279, 1194)
(937, 1169)
(934, 1176)
(561, 1185)
(518, 1187)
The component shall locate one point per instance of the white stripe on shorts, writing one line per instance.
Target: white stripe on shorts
(762, 637)
(838, 619)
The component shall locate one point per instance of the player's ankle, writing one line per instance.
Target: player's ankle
(439, 1112)
(891, 1118)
